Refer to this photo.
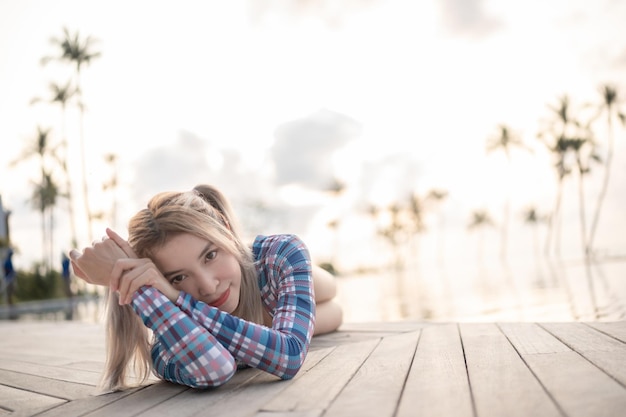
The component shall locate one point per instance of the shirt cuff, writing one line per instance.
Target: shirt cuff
(147, 300)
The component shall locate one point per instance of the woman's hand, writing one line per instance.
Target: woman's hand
(114, 263)
(129, 275)
(94, 264)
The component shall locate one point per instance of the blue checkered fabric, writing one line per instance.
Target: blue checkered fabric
(200, 346)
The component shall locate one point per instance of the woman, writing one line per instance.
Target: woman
(212, 303)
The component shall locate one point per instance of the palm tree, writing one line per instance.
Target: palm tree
(79, 52)
(40, 148)
(416, 211)
(62, 95)
(505, 140)
(111, 185)
(335, 188)
(557, 134)
(437, 196)
(571, 138)
(479, 220)
(392, 225)
(583, 159)
(533, 219)
(609, 106)
(44, 199)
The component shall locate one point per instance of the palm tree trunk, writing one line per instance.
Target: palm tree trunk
(585, 244)
(505, 229)
(70, 207)
(83, 159)
(554, 219)
(44, 240)
(581, 202)
(605, 185)
(51, 237)
(440, 241)
(68, 184)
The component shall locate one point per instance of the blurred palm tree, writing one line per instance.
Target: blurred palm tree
(45, 191)
(62, 95)
(40, 148)
(611, 101)
(534, 219)
(44, 199)
(335, 188)
(77, 51)
(480, 219)
(505, 140)
(392, 224)
(584, 151)
(416, 209)
(436, 197)
(554, 138)
(111, 186)
(572, 142)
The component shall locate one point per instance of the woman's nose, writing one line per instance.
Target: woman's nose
(208, 284)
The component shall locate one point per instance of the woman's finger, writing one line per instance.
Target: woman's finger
(121, 267)
(74, 255)
(95, 263)
(144, 273)
(130, 281)
(122, 243)
(79, 272)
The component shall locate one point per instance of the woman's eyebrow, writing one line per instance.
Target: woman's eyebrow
(167, 275)
(203, 253)
(206, 249)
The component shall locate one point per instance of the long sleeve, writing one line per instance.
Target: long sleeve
(285, 268)
(184, 352)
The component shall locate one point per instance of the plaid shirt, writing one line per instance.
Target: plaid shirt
(199, 345)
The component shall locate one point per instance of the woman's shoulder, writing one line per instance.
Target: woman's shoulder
(277, 245)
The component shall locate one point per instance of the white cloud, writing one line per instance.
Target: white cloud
(304, 147)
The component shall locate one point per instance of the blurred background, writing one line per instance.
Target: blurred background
(447, 160)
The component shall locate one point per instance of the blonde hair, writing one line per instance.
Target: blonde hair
(203, 212)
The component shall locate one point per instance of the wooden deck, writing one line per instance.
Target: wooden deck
(379, 369)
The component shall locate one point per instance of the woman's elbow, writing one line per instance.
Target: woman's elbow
(291, 369)
(288, 374)
(213, 376)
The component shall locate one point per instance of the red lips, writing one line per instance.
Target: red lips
(217, 303)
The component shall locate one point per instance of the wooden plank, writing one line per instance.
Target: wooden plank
(602, 350)
(316, 389)
(33, 358)
(376, 387)
(437, 384)
(84, 365)
(567, 369)
(579, 388)
(528, 338)
(191, 401)
(18, 400)
(85, 405)
(501, 383)
(46, 386)
(52, 372)
(140, 400)
(287, 413)
(342, 338)
(242, 399)
(403, 326)
(616, 329)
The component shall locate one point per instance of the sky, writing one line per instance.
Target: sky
(275, 100)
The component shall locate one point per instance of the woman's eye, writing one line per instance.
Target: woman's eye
(211, 255)
(178, 279)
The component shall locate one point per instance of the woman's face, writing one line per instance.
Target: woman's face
(201, 269)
